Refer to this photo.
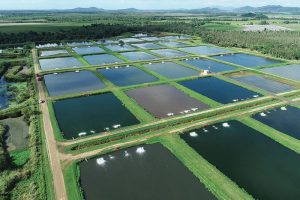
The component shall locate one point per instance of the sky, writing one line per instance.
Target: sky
(140, 4)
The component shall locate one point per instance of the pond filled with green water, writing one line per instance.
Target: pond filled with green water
(59, 63)
(102, 59)
(289, 71)
(205, 50)
(91, 114)
(264, 83)
(129, 75)
(283, 119)
(210, 65)
(263, 167)
(145, 172)
(171, 70)
(165, 100)
(219, 90)
(72, 82)
(247, 60)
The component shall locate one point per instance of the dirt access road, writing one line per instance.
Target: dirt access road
(53, 153)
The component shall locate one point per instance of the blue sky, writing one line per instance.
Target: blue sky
(141, 4)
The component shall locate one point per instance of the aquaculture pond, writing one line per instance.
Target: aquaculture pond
(264, 83)
(144, 172)
(165, 100)
(74, 44)
(130, 40)
(135, 56)
(169, 53)
(283, 119)
(219, 90)
(118, 47)
(91, 114)
(53, 52)
(210, 65)
(174, 44)
(60, 63)
(176, 37)
(102, 59)
(4, 96)
(129, 75)
(88, 50)
(72, 82)
(171, 70)
(289, 71)
(17, 133)
(150, 38)
(260, 165)
(148, 46)
(205, 50)
(246, 60)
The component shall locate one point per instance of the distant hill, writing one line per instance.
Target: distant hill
(269, 9)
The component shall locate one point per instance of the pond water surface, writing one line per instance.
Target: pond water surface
(205, 50)
(174, 44)
(88, 50)
(102, 59)
(264, 83)
(72, 82)
(135, 56)
(264, 168)
(145, 172)
(91, 114)
(124, 76)
(4, 97)
(210, 65)
(169, 53)
(284, 119)
(165, 100)
(148, 46)
(219, 90)
(247, 60)
(60, 63)
(290, 71)
(117, 47)
(171, 70)
(53, 52)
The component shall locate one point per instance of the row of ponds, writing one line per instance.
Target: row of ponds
(259, 165)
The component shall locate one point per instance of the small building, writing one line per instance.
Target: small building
(204, 72)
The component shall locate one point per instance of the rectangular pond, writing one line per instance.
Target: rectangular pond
(53, 52)
(74, 44)
(258, 164)
(169, 53)
(91, 114)
(165, 100)
(129, 75)
(148, 45)
(150, 38)
(264, 83)
(289, 71)
(176, 37)
(72, 82)
(130, 40)
(102, 59)
(205, 50)
(59, 63)
(88, 50)
(210, 65)
(174, 44)
(145, 172)
(219, 90)
(135, 56)
(283, 119)
(118, 47)
(171, 70)
(247, 60)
